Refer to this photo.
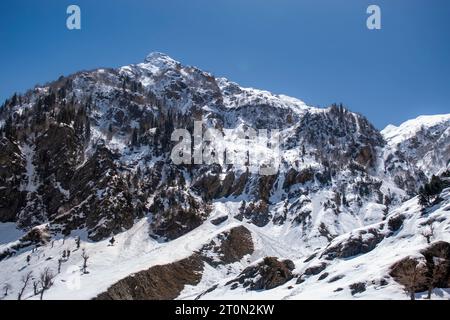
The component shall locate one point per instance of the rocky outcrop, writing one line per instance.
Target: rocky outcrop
(357, 287)
(293, 177)
(230, 246)
(256, 212)
(177, 212)
(266, 275)
(361, 242)
(161, 282)
(431, 269)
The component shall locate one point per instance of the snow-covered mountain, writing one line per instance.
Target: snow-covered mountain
(423, 141)
(88, 157)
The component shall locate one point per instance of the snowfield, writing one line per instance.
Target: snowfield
(134, 251)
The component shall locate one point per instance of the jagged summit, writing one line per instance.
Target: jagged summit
(406, 130)
(160, 59)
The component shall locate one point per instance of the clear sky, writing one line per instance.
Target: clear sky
(318, 51)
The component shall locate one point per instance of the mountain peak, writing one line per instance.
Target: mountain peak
(160, 59)
(397, 134)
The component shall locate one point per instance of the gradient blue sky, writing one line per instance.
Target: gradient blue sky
(319, 51)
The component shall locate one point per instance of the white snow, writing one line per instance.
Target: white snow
(395, 135)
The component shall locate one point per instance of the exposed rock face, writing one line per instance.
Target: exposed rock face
(12, 174)
(178, 212)
(411, 273)
(358, 287)
(157, 283)
(268, 274)
(395, 223)
(257, 213)
(362, 242)
(293, 177)
(310, 271)
(431, 270)
(219, 220)
(229, 247)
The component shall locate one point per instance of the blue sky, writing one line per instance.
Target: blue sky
(319, 51)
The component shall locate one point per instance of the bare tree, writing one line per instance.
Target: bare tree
(25, 279)
(428, 232)
(6, 288)
(35, 287)
(60, 260)
(85, 257)
(412, 276)
(77, 241)
(46, 280)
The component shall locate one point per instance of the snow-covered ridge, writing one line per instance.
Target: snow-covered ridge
(159, 71)
(397, 134)
(423, 142)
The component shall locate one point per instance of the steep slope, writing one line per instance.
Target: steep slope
(358, 264)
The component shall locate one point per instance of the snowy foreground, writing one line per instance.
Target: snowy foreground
(89, 156)
(134, 250)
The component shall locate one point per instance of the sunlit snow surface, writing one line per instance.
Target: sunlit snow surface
(134, 250)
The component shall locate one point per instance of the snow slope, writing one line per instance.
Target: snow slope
(408, 129)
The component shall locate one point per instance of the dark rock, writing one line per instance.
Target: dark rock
(357, 287)
(162, 282)
(289, 264)
(293, 177)
(265, 184)
(311, 271)
(258, 213)
(12, 170)
(323, 276)
(358, 243)
(395, 223)
(268, 274)
(240, 183)
(219, 220)
(300, 280)
(415, 273)
(181, 213)
(336, 278)
(365, 156)
(228, 247)
(410, 273)
(310, 257)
